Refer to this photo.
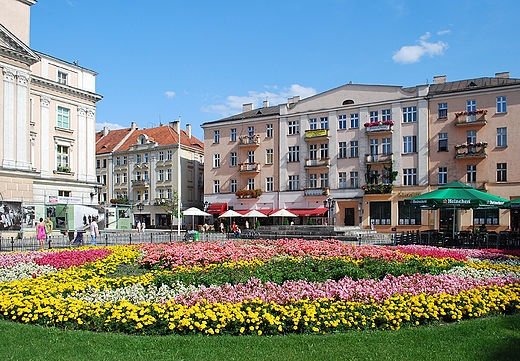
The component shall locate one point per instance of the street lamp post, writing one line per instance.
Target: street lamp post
(330, 204)
(140, 208)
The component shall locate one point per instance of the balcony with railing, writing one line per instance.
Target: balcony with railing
(317, 163)
(249, 140)
(384, 126)
(249, 167)
(475, 117)
(140, 183)
(316, 134)
(315, 192)
(378, 158)
(378, 188)
(471, 150)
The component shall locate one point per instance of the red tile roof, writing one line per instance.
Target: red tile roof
(108, 143)
(163, 135)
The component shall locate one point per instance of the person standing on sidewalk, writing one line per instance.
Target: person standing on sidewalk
(94, 231)
(40, 233)
(48, 230)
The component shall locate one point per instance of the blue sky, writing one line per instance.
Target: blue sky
(159, 60)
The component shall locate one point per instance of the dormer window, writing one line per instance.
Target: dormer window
(143, 139)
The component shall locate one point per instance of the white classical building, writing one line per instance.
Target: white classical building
(47, 118)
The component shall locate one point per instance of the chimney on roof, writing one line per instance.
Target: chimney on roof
(188, 130)
(176, 125)
(502, 75)
(439, 79)
(247, 107)
(293, 100)
(266, 103)
(134, 126)
(105, 131)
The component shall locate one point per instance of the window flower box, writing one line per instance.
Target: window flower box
(469, 145)
(248, 193)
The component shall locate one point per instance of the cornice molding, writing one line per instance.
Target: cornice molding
(52, 85)
(17, 49)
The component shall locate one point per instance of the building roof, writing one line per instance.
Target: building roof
(471, 84)
(108, 141)
(255, 113)
(163, 135)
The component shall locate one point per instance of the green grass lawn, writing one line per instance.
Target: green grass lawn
(492, 338)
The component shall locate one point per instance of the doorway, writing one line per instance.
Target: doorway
(349, 217)
(446, 223)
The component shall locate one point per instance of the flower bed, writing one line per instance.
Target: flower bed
(255, 287)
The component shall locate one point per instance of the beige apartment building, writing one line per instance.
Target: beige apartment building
(368, 148)
(142, 167)
(47, 118)
(473, 132)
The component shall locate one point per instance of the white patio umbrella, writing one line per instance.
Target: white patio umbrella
(255, 214)
(284, 213)
(230, 214)
(194, 211)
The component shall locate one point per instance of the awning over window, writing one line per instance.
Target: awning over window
(308, 212)
(217, 208)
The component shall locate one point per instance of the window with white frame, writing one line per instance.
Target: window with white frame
(324, 180)
(160, 156)
(354, 149)
(374, 116)
(169, 155)
(118, 178)
(471, 108)
(216, 160)
(409, 144)
(216, 136)
(502, 137)
(269, 184)
(294, 182)
(443, 175)
(145, 175)
(145, 195)
(374, 146)
(160, 193)
(168, 174)
(342, 150)
(62, 157)
(313, 123)
(124, 160)
(294, 154)
(233, 159)
(386, 115)
(324, 150)
(501, 104)
(63, 118)
(342, 180)
(385, 176)
(324, 122)
(118, 161)
(354, 120)
(342, 121)
(250, 183)
(313, 180)
(233, 185)
(216, 186)
(125, 178)
(501, 172)
(251, 156)
(138, 158)
(62, 77)
(138, 176)
(233, 135)
(268, 130)
(269, 156)
(410, 177)
(443, 142)
(160, 175)
(313, 151)
(471, 173)
(442, 110)
(354, 180)
(145, 158)
(409, 114)
(294, 127)
(169, 193)
(138, 195)
(250, 131)
(386, 146)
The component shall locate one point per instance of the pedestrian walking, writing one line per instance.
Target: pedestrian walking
(48, 231)
(40, 233)
(94, 231)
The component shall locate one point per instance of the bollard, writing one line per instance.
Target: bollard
(12, 244)
(151, 237)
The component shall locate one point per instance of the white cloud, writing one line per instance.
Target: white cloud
(110, 126)
(413, 53)
(443, 32)
(233, 103)
(170, 94)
